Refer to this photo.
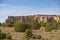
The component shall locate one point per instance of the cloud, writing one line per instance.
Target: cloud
(1, 5)
(22, 10)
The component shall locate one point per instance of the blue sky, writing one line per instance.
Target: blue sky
(28, 7)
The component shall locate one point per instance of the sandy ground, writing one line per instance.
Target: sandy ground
(53, 35)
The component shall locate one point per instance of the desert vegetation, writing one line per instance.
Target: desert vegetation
(4, 36)
(27, 29)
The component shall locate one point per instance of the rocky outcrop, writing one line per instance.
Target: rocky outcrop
(38, 18)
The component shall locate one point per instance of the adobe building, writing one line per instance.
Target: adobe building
(38, 18)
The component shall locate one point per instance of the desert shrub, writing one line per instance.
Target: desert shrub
(28, 34)
(36, 37)
(0, 24)
(35, 25)
(8, 36)
(4, 24)
(9, 24)
(48, 26)
(51, 25)
(42, 24)
(58, 26)
(21, 26)
(55, 25)
(4, 35)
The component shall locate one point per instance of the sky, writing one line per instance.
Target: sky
(28, 7)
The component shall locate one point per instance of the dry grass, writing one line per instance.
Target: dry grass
(53, 35)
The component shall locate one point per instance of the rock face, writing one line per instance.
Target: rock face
(38, 18)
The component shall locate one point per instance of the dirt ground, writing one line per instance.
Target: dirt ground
(53, 35)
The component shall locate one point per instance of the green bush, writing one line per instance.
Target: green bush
(0, 24)
(58, 26)
(42, 24)
(36, 36)
(28, 33)
(35, 25)
(8, 36)
(51, 25)
(9, 24)
(21, 26)
(48, 26)
(4, 35)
